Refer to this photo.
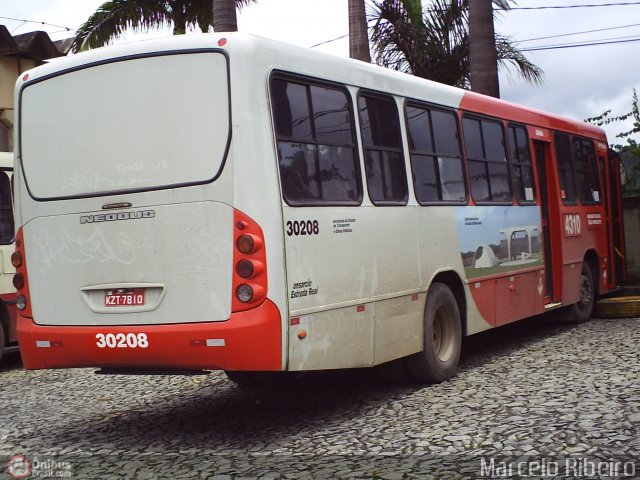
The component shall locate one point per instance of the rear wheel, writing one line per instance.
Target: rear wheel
(438, 360)
(242, 379)
(583, 309)
(395, 372)
(258, 379)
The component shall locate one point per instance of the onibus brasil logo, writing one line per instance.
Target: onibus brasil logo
(18, 466)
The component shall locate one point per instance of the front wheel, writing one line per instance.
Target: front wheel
(583, 309)
(438, 359)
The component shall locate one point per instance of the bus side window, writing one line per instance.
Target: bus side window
(436, 159)
(521, 166)
(384, 163)
(587, 180)
(6, 212)
(315, 141)
(565, 168)
(487, 160)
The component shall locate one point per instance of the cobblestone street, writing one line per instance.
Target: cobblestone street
(537, 391)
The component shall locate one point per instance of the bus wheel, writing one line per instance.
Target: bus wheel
(583, 309)
(242, 379)
(438, 360)
(395, 372)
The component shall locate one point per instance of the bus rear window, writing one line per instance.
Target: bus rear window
(129, 125)
(316, 148)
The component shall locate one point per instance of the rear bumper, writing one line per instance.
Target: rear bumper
(250, 340)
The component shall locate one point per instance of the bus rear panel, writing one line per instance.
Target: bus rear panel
(133, 254)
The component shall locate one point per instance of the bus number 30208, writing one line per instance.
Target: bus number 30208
(303, 227)
(121, 340)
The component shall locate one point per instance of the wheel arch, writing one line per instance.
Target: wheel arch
(591, 259)
(452, 280)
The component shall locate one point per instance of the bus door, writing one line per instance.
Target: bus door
(610, 175)
(541, 155)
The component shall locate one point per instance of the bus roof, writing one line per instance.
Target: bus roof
(267, 55)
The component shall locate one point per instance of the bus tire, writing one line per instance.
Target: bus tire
(438, 360)
(242, 379)
(583, 308)
(395, 372)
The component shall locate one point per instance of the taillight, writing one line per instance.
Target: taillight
(245, 243)
(16, 259)
(20, 280)
(244, 293)
(249, 260)
(245, 268)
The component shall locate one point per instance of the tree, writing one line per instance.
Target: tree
(434, 44)
(606, 118)
(358, 32)
(629, 152)
(483, 56)
(115, 16)
(224, 14)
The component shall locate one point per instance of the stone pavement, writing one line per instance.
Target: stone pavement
(555, 401)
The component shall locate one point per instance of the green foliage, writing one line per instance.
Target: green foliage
(629, 152)
(434, 43)
(606, 118)
(114, 17)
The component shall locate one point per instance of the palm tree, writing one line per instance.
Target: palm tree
(224, 14)
(434, 44)
(358, 33)
(483, 56)
(115, 16)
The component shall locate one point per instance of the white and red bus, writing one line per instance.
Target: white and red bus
(8, 331)
(236, 203)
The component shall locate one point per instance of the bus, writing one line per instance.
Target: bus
(8, 330)
(236, 203)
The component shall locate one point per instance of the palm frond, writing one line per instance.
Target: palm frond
(434, 43)
(115, 16)
(508, 54)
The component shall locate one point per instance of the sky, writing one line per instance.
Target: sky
(579, 82)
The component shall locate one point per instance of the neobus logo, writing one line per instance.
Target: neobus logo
(112, 217)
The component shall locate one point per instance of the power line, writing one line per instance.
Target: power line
(41, 23)
(577, 33)
(329, 41)
(592, 44)
(585, 42)
(591, 5)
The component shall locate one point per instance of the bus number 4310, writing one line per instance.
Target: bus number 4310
(571, 225)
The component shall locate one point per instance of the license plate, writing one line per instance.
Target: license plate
(123, 298)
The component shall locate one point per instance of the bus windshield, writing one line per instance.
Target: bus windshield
(171, 126)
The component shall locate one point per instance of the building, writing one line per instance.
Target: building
(17, 54)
